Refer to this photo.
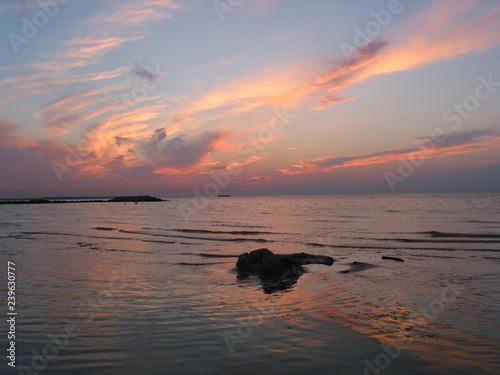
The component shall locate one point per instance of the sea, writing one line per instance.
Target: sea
(151, 288)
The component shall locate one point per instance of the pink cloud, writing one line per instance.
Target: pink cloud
(477, 140)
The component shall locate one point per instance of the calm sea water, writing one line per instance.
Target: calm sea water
(113, 288)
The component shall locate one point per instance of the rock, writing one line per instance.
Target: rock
(39, 201)
(252, 262)
(385, 257)
(305, 258)
(265, 263)
(136, 198)
(280, 266)
(358, 266)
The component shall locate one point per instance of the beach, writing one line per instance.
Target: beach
(113, 288)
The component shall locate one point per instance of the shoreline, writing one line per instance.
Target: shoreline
(124, 199)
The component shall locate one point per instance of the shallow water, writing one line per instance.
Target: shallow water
(131, 283)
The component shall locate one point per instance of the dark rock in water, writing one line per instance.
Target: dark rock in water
(385, 257)
(305, 258)
(252, 262)
(280, 266)
(217, 255)
(265, 263)
(277, 271)
(358, 266)
(136, 198)
(39, 201)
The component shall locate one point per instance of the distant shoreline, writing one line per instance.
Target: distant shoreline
(125, 199)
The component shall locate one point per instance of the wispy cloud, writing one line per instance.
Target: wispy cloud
(444, 32)
(236, 163)
(91, 48)
(109, 31)
(55, 68)
(458, 143)
(256, 182)
(349, 67)
(137, 13)
(443, 35)
(40, 82)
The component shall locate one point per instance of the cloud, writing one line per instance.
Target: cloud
(71, 115)
(145, 73)
(180, 153)
(90, 48)
(464, 137)
(102, 34)
(122, 140)
(330, 99)
(238, 163)
(282, 86)
(158, 136)
(109, 31)
(257, 182)
(452, 144)
(443, 34)
(349, 66)
(445, 30)
(136, 13)
(38, 81)
(133, 126)
(288, 86)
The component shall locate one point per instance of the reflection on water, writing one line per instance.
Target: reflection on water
(142, 300)
(273, 284)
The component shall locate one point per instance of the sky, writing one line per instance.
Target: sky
(248, 97)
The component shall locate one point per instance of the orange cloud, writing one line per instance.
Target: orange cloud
(49, 80)
(113, 31)
(90, 47)
(259, 182)
(137, 13)
(443, 33)
(478, 140)
(241, 162)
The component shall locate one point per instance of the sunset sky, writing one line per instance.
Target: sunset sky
(248, 97)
